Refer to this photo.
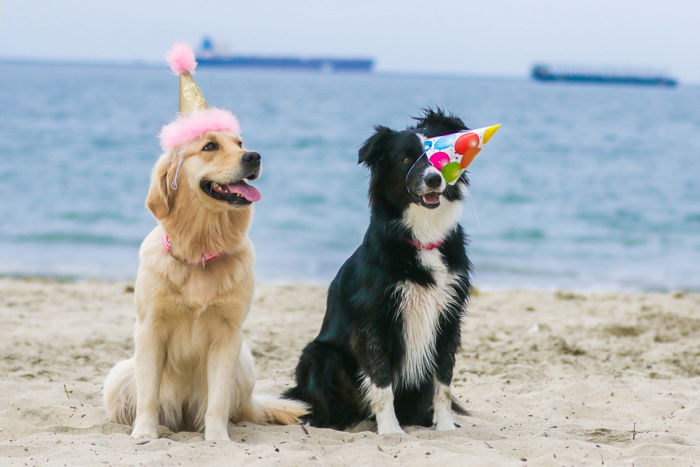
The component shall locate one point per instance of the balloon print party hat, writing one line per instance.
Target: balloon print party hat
(451, 154)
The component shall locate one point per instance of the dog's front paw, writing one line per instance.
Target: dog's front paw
(389, 428)
(387, 423)
(216, 433)
(144, 431)
(442, 419)
(445, 425)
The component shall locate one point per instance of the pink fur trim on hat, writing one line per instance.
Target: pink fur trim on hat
(186, 128)
(181, 58)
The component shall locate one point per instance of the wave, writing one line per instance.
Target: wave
(76, 238)
(523, 234)
(92, 217)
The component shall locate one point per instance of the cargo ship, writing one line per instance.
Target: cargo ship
(210, 55)
(604, 76)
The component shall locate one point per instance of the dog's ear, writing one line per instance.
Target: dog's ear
(375, 145)
(159, 198)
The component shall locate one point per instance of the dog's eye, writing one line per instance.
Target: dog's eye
(406, 160)
(210, 146)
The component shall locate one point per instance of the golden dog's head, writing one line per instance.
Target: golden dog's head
(213, 171)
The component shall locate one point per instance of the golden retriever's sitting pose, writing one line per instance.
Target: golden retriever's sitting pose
(191, 369)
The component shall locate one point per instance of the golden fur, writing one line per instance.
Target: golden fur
(191, 368)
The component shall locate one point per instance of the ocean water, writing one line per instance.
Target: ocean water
(584, 187)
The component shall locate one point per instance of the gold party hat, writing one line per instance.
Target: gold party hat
(191, 97)
(195, 116)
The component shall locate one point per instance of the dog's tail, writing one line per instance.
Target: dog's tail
(457, 407)
(119, 395)
(267, 410)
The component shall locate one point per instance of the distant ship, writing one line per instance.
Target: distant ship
(209, 55)
(606, 76)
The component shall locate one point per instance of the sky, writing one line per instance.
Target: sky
(493, 38)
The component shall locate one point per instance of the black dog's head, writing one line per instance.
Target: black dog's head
(400, 176)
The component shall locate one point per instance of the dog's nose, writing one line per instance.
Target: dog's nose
(433, 180)
(251, 158)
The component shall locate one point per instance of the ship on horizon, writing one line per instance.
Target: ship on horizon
(542, 72)
(209, 54)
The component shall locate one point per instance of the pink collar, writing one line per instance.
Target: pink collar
(205, 256)
(421, 246)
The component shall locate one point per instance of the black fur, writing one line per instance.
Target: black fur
(362, 329)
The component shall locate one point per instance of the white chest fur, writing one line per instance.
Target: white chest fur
(431, 225)
(420, 309)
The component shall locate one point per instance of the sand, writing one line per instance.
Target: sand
(549, 378)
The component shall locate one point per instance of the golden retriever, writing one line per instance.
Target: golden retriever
(191, 369)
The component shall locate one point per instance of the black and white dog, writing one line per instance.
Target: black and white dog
(392, 326)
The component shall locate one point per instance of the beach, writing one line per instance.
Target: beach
(548, 378)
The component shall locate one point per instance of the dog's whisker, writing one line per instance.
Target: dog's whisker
(472, 203)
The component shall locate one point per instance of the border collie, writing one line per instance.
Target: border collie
(387, 345)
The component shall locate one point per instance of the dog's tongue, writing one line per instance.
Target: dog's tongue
(248, 192)
(431, 198)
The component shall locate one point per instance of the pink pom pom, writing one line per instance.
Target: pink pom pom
(181, 58)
